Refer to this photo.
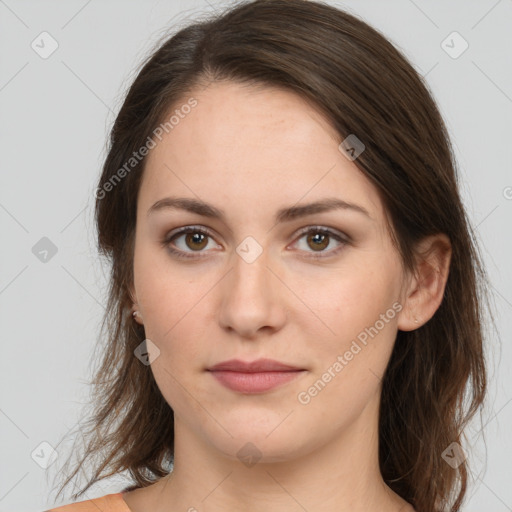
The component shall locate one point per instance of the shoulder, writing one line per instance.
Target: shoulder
(107, 503)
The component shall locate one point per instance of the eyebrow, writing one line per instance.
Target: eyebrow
(283, 215)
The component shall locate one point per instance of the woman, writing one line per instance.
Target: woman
(296, 295)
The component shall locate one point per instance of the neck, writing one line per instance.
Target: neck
(339, 475)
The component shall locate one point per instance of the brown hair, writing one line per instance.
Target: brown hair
(436, 377)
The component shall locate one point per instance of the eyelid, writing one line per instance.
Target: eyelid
(322, 228)
(185, 229)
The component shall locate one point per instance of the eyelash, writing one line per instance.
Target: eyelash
(305, 231)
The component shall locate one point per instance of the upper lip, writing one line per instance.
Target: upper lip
(259, 365)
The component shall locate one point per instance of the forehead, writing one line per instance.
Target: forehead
(261, 145)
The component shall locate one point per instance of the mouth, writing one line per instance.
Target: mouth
(254, 377)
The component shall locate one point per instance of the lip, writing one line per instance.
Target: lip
(257, 366)
(254, 377)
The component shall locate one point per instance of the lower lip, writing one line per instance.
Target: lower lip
(254, 382)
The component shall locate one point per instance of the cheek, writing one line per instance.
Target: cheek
(349, 364)
(164, 292)
(360, 309)
(174, 305)
(356, 299)
(174, 319)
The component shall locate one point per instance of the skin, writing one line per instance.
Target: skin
(251, 151)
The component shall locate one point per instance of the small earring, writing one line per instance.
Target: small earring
(135, 313)
(416, 321)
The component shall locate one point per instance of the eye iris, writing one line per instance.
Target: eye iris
(321, 240)
(196, 238)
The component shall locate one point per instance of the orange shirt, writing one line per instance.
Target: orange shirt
(108, 503)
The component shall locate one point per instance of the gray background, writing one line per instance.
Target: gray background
(55, 115)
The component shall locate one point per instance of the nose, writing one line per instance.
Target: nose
(253, 297)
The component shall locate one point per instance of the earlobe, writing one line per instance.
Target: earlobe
(137, 317)
(426, 288)
(135, 307)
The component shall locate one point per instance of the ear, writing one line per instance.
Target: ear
(135, 306)
(425, 290)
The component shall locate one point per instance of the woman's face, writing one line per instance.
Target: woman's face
(318, 288)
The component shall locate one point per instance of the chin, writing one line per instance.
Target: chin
(251, 446)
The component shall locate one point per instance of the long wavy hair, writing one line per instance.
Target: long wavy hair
(436, 378)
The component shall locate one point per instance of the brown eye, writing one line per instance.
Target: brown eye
(318, 241)
(187, 241)
(196, 240)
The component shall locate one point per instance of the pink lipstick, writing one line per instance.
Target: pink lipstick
(254, 377)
